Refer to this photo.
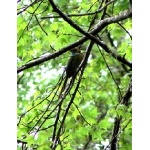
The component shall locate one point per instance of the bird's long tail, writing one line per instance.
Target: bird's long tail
(63, 87)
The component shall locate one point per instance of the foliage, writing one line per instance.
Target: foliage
(96, 110)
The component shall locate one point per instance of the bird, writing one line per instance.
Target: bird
(72, 65)
(74, 61)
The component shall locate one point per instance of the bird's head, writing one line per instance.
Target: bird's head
(75, 50)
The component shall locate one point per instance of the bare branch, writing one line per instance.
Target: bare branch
(36, 1)
(99, 27)
(40, 25)
(116, 131)
(84, 14)
(29, 22)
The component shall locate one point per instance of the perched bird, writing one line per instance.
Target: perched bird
(73, 63)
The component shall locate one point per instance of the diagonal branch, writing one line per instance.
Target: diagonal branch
(24, 9)
(84, 14)
(98, 29)
(40, 25)
(88, 35)
(75, 91)
(116, 131)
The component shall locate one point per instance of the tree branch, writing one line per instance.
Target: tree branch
(124, 101)
(24, 9)
(100, 26)
(88, 35)
(84, 14)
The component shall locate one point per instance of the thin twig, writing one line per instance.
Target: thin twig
(84, 14)
(98, 28)
(29, 22)
(110, 72)
(40, 25)
(123, 28)
(36, 1)
(81, 114)
(118, 134)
